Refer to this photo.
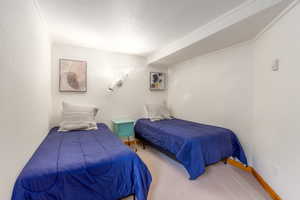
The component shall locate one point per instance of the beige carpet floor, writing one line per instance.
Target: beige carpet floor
(219, 182)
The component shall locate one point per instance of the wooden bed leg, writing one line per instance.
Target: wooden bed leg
(144, 146)
(225, 161)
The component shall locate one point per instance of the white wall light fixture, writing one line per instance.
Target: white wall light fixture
(117, 83)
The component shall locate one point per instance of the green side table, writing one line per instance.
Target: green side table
(124, 130)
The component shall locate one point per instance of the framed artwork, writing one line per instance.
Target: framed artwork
(157, 81)
(72, 75)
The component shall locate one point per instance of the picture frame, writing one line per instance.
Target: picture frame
(72, 75)
(158, 81)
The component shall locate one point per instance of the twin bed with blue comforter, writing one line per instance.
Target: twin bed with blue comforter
(83, 165)
(96, 165)
(194, 145)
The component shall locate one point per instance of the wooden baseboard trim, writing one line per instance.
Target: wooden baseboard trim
(239, 165)
(258, 177)
(265, 185)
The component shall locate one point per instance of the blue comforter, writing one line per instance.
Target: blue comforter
(82, 165)
(194, 145)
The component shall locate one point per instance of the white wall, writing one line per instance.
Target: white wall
(277, 106)
(24, 85)
(216, 89)
(236, 88)
(103, 68)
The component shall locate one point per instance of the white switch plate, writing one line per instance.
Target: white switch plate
(275, 65)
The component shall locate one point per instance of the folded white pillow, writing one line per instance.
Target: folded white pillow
(157, 112)
(153, 112)
(78, 117)
(165, 112)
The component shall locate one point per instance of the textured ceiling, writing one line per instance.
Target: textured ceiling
(128, 26)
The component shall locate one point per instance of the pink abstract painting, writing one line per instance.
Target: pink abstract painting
(73, 76)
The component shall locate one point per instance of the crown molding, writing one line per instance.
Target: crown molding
(276, 19)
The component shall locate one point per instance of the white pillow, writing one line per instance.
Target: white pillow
(153, 112)
(78, 117)
(157, 112)
(165, 112)
(145, 115)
